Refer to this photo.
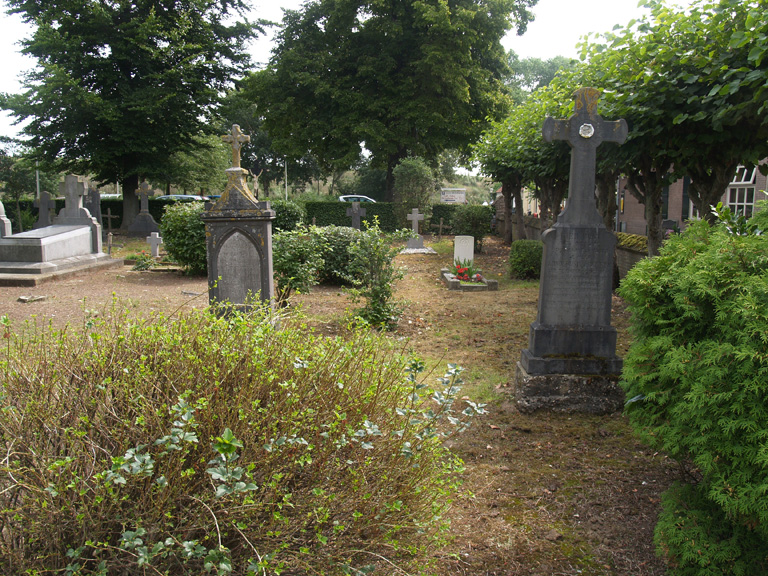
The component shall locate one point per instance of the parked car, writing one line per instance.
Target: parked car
(355, 198)
(183, 198)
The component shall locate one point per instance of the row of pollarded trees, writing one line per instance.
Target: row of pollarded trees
(693, 87)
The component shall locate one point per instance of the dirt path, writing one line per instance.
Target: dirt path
(544, 494)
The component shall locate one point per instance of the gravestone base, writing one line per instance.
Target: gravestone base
(453, 283)
(142, 225)
(569, 393)
(36, 273)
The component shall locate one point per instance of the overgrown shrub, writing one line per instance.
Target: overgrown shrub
(200, 444)
(469, 220)
(288, 215)
(525, 259)
(335, 242)
(296, 261)
(373, 272)
(697, 379)
(183, 235)
(414, 185)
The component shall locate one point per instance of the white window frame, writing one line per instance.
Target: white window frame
(742, 189)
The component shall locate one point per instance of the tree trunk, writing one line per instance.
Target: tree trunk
(647, 185)
(708, 184)
(131, 203)
(518, 195)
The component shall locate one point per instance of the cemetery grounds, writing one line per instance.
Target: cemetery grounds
(543, 494)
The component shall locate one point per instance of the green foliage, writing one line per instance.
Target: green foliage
(142, 261)
(399, 78)
(699, 539)
(373, 272)
(469, 220)
(288, 215)
(414, 185)
(760, 217)
(444, 211)
(697, 373)
(367, 181)
(334, 213)
(183, 235)
(334, 243)
(525, 259)
(296, 261)
(198, 443)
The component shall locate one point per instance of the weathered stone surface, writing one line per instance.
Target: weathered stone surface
(589, 394)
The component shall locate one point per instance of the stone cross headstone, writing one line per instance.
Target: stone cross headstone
(238, 231)
(144, 223)
(73, 190)
(463, 249)
(415, 218)
(356, 212)
(154, 240)
(572, 334)
(46, 209)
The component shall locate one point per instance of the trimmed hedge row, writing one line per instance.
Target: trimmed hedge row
(335, 214)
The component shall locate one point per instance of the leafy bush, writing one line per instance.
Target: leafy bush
(288, 215)
(525, 259)
(334, 213)
(200, 444)
(474, 221)
(296, 261)
(414, 185)
(697, 376)
(373, 272)
(444, 211)
(334, 243)
(183, 235)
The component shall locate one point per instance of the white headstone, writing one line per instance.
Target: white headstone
(415, 218)
(154, 242)
(464, 249)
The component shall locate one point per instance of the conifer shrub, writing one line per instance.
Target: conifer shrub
(212, 444)
(525, 259)
(697, 379)
(183, 233)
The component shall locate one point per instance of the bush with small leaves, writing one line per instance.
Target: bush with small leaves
(204, 443)
(183, 233)
(470, 220)
(296, 260)
(697, 379)
(335, 242)
(288, 215)
(525, 259)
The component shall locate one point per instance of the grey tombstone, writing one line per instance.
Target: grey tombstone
(144, 223)
(92, 202)
(5, 223)
(356, 213)
(46, 209)
(239, 239)
(154, 240)
(74, 213)
(418, 242)
(464, 249)
(570, 363)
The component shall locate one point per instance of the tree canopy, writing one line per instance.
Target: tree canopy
(394, 78)
(122, 86)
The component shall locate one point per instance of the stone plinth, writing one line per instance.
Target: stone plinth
(587, 393)
(453, 283)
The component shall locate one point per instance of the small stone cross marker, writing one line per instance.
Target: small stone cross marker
(154, 240)
(236, 138)
(415, 218)
(356, 212)
(584, 132)
(45, 205)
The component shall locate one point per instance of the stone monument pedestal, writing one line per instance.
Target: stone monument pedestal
(582, 393)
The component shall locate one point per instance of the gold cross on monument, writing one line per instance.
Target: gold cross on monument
(236, 138)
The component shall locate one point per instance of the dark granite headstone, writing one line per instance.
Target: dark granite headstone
(46, 209)
(239, 239)
(572, 334)
(355, 212)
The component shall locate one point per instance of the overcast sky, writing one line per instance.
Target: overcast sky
(558, 27)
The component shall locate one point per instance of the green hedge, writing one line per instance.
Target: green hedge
(525, 259)
(697, 379)
(335, 214)
(444, 211)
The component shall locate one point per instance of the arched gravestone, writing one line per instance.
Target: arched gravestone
(239, 239)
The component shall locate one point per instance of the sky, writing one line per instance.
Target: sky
(557, 28)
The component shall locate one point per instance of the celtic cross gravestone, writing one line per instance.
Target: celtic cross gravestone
(572, 334)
